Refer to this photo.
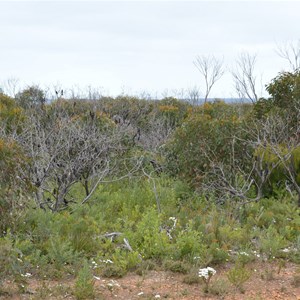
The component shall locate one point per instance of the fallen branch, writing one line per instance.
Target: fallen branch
(127, 245)
(111, 235)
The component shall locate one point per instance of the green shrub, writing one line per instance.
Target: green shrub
(208, 130)
(219, 287)
(191, 278)
(125, 260)
(145, 266)
(232, 237)
(40, 262)
(61, 253)
(148, 239)
(271, 242)
(244, 257)
(84, 285)
(177, 266)
(10, 259)
(117, 271)
(238, 275)
(218, 255)
(189, 244)
(81, 235)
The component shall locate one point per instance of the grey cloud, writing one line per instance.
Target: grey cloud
(139, 44)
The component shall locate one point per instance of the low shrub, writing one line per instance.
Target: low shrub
(84, 285)
(177, 266)
(238, 275)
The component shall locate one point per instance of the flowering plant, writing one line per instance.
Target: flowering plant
(206, 274)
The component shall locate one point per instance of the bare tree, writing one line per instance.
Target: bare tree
(238, 177)
(193, 96)
(11, 86)
(267, 145)
(245, 78)
(154, 137)
(283, 144)
(64, 150)
(211, 70)
(290, 52)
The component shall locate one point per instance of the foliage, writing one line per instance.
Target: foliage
(205, 166)
(205, 135)
(84, 285)
(31, 97)
(284, 98)
(219, 287)
(285, 89)
(12, 187)
(11, 115)
(177, 266)
(271, 242)
(238, 275)
(11, 157)
(148, 239)
(189, 244)
(54, 245)
(191, 278)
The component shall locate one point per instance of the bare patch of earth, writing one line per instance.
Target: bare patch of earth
(267, 282)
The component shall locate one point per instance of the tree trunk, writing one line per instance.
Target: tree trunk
(39, 198)
(60, 199)
(86, 187)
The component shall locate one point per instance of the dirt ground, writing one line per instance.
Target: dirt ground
(265, 283)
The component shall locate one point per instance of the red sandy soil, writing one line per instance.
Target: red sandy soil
(265, 283)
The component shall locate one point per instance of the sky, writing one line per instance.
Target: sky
(140, 46)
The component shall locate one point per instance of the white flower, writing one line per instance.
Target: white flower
(113, 283)
(106, 261)
(157, 296)
(244, 253)
(207, 272)
(26, 275)
(140, 294)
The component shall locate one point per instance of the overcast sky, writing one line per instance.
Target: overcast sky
(140, 46)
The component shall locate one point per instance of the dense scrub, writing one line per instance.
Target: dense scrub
(104, 187)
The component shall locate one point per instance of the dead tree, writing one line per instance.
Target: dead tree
(244, 77)
(290, 52)
(211, 69)
(11, 86)
(64, 150)
(242, 175)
